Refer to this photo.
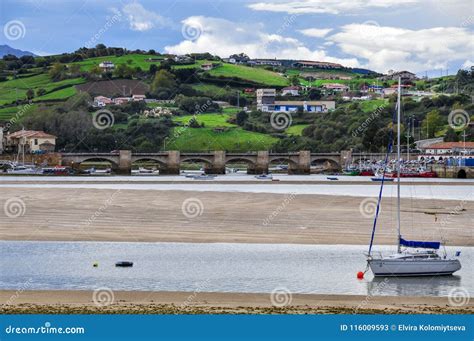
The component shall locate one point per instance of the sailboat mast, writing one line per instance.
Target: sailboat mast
(398, 162)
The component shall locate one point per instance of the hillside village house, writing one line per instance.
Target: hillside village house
(266, 102)
(32, 141)
(394, 89)
(107, 66)
(404, 76)
(290, 91)
(271, 62)
(336, 87)
(308, 64)
(449, 148)
(102, 101)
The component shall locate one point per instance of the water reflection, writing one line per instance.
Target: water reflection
(406, 286)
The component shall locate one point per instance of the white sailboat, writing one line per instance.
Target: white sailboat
(413, 258)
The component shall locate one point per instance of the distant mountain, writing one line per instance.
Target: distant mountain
(5, 49)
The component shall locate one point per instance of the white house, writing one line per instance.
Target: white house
(290, 91)
(137, 98)
(336, 87)
(107, 65)
(307, 106)
(102, 101)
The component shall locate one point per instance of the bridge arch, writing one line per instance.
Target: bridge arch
(159, 161)
(333, 162)
(240, 159)
(112, 160)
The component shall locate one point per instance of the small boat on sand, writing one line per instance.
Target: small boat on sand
(124, 264)
(332, 178)
(264, 177)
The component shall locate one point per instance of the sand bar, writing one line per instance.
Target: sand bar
(64, 214)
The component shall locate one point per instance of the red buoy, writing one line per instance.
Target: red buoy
(360, 275)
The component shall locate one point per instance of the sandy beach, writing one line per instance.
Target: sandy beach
(66, 214)
(143, 302)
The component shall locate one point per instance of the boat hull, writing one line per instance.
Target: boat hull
(393, 267)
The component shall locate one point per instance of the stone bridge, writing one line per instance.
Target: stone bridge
(214, 162)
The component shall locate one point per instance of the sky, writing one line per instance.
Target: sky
(431, 37)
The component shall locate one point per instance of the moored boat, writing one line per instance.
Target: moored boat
(408, 260)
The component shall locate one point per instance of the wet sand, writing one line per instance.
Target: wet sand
(62, 214)
(141, 302)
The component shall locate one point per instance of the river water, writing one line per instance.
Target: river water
(219, 267)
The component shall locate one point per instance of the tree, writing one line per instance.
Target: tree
(294, 80)
(314, 94)
(74, 69)
(95, 71)
(40, 92)
(30, 94)
(432, 123)
(152, 70)
(451, 135)
(163, 79)
(241, 118)
(57, 71)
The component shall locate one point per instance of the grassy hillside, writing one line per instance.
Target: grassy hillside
(233, 140)
(209, 120)
(296, 129)
(253, 74)
(16, 88)
(136, 60)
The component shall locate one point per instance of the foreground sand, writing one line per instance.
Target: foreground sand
(186, 216)
(126, 302)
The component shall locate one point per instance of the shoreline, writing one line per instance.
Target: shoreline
(172, 302)
(60, 214)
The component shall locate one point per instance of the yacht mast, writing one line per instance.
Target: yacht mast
(398, 162)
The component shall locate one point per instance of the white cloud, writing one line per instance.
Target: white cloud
(141, 19)
(325, 6)
(316, 32)
(223, 37)
(468, 64)
(387, 48)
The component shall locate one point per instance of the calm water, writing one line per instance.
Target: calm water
(321, 269)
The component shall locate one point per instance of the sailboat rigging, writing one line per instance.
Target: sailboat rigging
(409, 260)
